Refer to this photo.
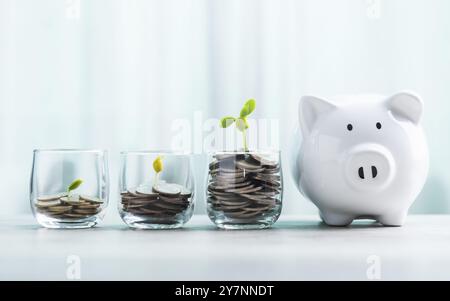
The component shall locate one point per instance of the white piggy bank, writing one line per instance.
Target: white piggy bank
(362, 156)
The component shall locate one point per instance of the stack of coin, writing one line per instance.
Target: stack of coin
(243, 186)
(63, 206)
(160, 201)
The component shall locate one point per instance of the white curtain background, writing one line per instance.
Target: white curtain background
(115, 74)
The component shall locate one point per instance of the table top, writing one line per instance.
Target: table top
(296, 248)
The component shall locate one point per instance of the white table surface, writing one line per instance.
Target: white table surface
(296, 248)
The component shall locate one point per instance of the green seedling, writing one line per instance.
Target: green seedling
(157, 167)
(241, 121)
(75, 184)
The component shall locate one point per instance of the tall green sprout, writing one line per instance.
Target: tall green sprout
(241, 121)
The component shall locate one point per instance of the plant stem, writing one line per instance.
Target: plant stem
(155, 181)
(244, 139)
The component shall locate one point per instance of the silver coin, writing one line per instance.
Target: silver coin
(269, 177)
(248, 166)
(46, 204)
(85, 211)
(55, 214)
(72, 200)
(59, 208)
(229, 197)
(253, 171)
(142, 201)
(275, 170)
(74, 215)
(167, 189)
(267, 193)
(216, 186)
(224, 207)
(132, 191)
(265, 160)
(87, 206)
(268, 182)
(250, 214)
(176, 201)
(225, 194)
(254, 197)
(184, 191)
(237, 173)
(146, 190)
(226, 210)
(48, 198)
(227, 182)
(233, 203)
(228, 156)
(270, 185)
(268, 201)
(91, 199)
(222, 170)
(228, 174)
(129, 197)
(169, 206)
(263, 208)
(270, 189)
(150, 211)
(136, 205)
(224, 166)
(242, 214)
(134, 211)
(213, 165)
(244, 190)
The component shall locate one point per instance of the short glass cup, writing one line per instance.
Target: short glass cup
(57, 205)
(244, 189)
(150, 200)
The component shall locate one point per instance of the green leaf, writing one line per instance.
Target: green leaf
(75, 184)
(227, 121)
(248, 108)
(241, 124)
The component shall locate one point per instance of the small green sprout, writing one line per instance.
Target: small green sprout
(241, 121)
(74, 185)
(157, 167)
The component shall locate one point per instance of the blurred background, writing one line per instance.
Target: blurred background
(116, 74)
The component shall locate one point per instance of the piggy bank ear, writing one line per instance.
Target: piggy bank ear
(310, 108)
(406, 106)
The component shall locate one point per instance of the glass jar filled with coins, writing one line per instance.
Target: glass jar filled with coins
(244, 189)
(157, 189)
(69, 187)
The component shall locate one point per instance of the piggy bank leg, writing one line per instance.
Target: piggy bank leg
(336, 219)
(392, 219)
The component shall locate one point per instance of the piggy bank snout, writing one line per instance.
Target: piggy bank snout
(370, 167)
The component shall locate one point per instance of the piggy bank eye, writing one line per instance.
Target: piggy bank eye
(349, 127)
(378, 125)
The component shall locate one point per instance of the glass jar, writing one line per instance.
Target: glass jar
(156, 200)
(244, 189)
(69, 187)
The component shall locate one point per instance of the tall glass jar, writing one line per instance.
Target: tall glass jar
(69, 187)
(161, 198)
(244, 189)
